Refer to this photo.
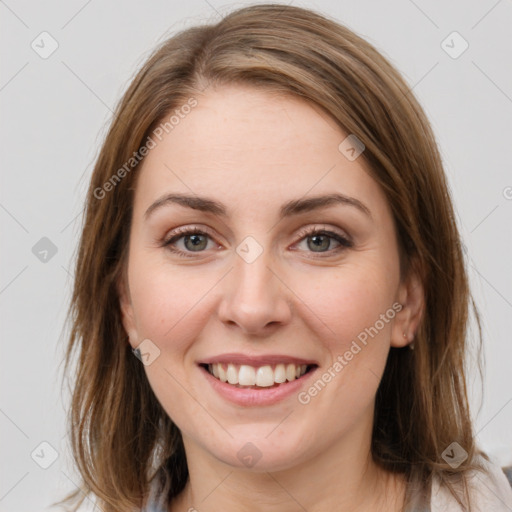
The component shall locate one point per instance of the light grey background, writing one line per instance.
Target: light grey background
(54, 115)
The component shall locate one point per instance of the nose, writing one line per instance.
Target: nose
(255, 297)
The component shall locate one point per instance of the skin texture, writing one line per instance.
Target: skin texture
(252, 151)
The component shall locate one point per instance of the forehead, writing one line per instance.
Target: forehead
(247, 145)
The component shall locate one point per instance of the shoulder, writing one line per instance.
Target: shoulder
(489, 490)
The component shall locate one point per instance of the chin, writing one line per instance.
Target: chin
(256, 452)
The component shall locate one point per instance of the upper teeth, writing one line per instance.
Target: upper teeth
(263, 376)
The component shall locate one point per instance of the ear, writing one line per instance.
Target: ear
(411, 296)
(126, 307)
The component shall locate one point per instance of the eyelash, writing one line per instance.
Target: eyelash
(308, 232)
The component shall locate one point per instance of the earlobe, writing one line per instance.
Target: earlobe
(407, 320)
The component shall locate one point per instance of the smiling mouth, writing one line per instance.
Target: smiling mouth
(252, 377)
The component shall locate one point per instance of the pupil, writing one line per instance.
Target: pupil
(196, 241)
(315, 239)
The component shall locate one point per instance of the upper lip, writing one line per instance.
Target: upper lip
(256, 360)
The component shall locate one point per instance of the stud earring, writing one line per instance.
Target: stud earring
(411, 344)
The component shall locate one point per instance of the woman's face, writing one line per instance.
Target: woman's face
(256, 288)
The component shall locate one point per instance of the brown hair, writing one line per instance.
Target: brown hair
(121, 436)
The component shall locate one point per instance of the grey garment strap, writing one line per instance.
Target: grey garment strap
(157, 499)
(418, 496)
(421, 507)
(155, 506)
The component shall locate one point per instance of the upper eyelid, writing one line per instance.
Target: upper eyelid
(185, 230)
(327, 229)
(302, 233)
(188, 230)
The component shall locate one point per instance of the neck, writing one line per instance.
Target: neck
(343, 478)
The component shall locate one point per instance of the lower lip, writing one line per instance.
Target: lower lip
(262, 396)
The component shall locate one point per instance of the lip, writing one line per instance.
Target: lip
(248, 397)
(259, 360)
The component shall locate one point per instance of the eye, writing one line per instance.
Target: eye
(194, 240)
(320, 240)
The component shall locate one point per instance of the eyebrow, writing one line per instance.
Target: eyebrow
(288, 209)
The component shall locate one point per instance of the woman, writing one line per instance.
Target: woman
(269, 230)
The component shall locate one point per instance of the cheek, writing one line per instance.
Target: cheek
(168, 303)
(346, 301)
